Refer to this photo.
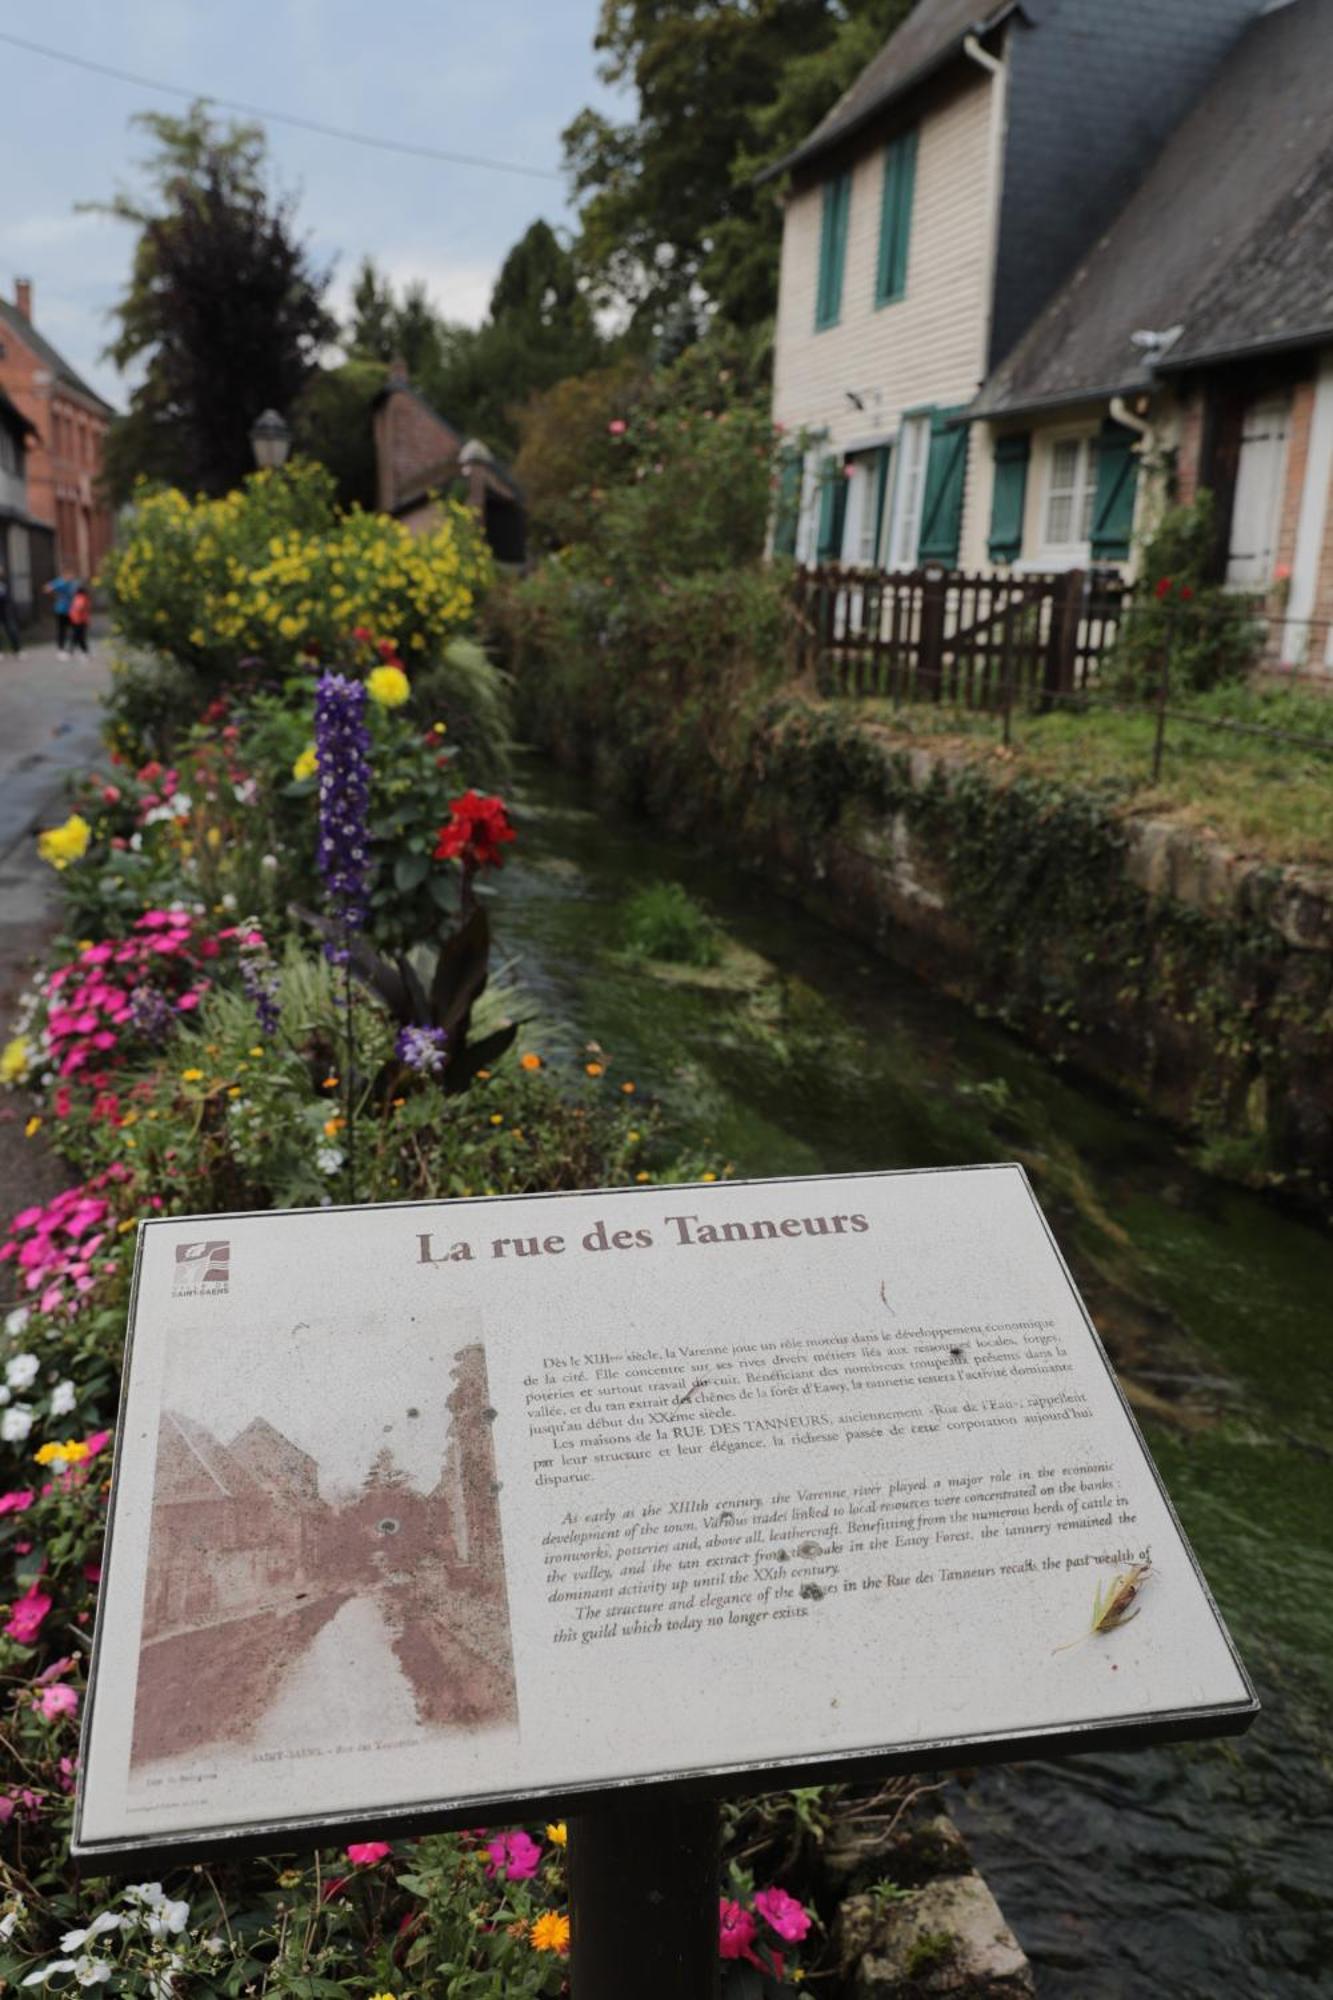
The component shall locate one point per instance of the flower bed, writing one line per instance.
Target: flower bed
(271, 989)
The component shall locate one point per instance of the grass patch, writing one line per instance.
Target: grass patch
(663, 921)
(1264, 797)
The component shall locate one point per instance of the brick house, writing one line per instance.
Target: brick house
(70, 421)
(930, 218)
(1199, 331)
(421, 458)
(27, 545)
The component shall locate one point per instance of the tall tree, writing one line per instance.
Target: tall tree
(669, 210)
(223, 314)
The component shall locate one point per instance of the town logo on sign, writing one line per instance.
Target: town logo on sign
(201, 1268)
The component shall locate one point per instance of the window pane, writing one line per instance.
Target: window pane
(1058, 519)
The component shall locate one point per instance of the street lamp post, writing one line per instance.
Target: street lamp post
(271, 440)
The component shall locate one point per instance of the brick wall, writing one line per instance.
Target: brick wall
(410, 440)
(64, 461)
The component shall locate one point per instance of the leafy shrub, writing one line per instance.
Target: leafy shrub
(664, 921)
(1206, 635)
(273, 569)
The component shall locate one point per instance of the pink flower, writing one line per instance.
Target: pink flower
(26, 1615)
(17, 1502)
(787, 1917)
(617, 427)
(365, 1853)
(735, 1931)
(58, 1700)
(513, 1855)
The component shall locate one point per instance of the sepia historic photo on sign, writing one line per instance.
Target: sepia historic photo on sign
(265, 1576)
(432, 1513)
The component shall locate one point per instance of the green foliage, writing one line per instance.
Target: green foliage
(332, 423)
(668, 204)
(929, 1951)
(664, 921)
(568, 454)
(1202, 635)
(539, 329)
(223, 316)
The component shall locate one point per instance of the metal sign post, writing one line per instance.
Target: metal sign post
(643, 1898)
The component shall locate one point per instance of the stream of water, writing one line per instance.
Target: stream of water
(1182, 1873)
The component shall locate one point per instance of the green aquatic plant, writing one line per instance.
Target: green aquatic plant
(664, 921)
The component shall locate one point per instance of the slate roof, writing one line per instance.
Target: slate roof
(1228, 237)
(50, 357)
(932, 35)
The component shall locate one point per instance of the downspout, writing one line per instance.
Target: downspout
(1147, 450)
(998, 72)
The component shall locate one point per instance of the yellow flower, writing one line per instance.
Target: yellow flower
(497, 1118)
(628, 1089)
(595, 1069)
(306, 764)
(558, 1835)
(256, 1051)
(235, 1090)
(62, 844)
(389, 686)
(214, 836)
(550, 1932)
(15, 1060)
(643, 1177)
(34, 1124)
(71, 1452)
(192, 1076)
(708, 1177)
(530, 1060)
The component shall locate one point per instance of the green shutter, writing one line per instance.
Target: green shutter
(895, 219)
(832, 510)
(787, 512)
(832, 250)
(942, 507)
(1008, 496)
(884, 457)
(1113, 503)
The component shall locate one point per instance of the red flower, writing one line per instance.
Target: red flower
(476, 830)
(1185, 591)
(735, 1932)
(1162, 587)
(362, 634)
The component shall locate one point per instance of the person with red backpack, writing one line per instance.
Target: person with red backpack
(80, 611)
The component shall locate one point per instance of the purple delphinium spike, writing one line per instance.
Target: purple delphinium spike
(259, 980)
(342, 745)
(422, 1049)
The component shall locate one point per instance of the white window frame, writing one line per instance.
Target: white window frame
(1073, 551)
(902, 519)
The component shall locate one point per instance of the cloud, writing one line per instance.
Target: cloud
(459, 288)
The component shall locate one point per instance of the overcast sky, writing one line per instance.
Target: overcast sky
(500, 79)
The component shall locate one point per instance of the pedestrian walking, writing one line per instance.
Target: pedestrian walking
(61, 590)
(80, 611)
(9, 623)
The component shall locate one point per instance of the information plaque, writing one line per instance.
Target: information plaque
(433, 1514)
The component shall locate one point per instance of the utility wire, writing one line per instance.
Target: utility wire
(280, 117)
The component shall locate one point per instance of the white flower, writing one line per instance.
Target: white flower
(17, 1320)
(106, 1921)
(91, 1971)
(8, 1924)
(21, 1371)
(229, 901)
(168, 1919)
(328, 1159)
(15, 1423)
(136, 842)
(247, 791)
(4, 1395)
(162, 1981)
(144, 1892)
(269, 861)
(63, 1399)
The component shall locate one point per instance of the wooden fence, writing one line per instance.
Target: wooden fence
(992, 642)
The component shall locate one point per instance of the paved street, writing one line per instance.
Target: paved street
(49, 726)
